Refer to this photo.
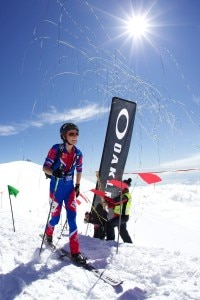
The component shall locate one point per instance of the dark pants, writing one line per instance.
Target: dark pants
(110, 229)
(99, 231)
(98, 217)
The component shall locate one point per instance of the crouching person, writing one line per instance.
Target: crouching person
(97, 217)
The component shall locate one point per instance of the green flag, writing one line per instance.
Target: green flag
(12, 191)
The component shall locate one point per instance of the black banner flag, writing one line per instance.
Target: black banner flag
(116, 145)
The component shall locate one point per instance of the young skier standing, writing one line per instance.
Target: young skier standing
(60, 164)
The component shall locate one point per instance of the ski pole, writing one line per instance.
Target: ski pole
(62, 229)
(120, 217)
(55, 189)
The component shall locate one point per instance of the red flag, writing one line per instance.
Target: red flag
(150, 177)
(101, 194)
(78, 201)
(86, 200)
(117, 183)
(98, 192)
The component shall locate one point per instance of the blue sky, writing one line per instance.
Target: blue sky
(65, 60)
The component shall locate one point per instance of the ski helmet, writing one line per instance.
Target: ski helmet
(67, 127)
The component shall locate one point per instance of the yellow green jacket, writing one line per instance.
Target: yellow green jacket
(125, 207)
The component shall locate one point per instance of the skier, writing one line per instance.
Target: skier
(121, 206)
(61, 169)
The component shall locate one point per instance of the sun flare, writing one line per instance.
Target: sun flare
(137, 26)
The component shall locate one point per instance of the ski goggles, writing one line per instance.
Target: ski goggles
(72, 133)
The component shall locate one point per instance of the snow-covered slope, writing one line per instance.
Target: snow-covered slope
(163, 263)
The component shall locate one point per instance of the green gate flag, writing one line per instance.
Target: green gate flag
(12, 191)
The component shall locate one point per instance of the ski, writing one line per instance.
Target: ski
(63, 254)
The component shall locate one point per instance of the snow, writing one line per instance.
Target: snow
(162, 263)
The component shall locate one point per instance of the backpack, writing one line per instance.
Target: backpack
(58, 155)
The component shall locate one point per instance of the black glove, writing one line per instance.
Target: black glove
(58, 173)
(77, 189)
(87, 217)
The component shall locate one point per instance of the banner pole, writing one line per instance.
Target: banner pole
(12, 214)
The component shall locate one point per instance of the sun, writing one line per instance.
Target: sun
(137, 26)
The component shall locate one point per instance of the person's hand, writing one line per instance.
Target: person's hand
(87, 217)
(107, 199)
(104, 204)
(58, 173)
(109, 202)
(77, 189)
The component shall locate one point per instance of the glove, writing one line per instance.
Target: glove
(107, 199)
(109, 202)
(58, 173)
(77, 189)
(87, 217)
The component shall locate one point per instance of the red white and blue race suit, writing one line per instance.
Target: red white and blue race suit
(62, 190)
